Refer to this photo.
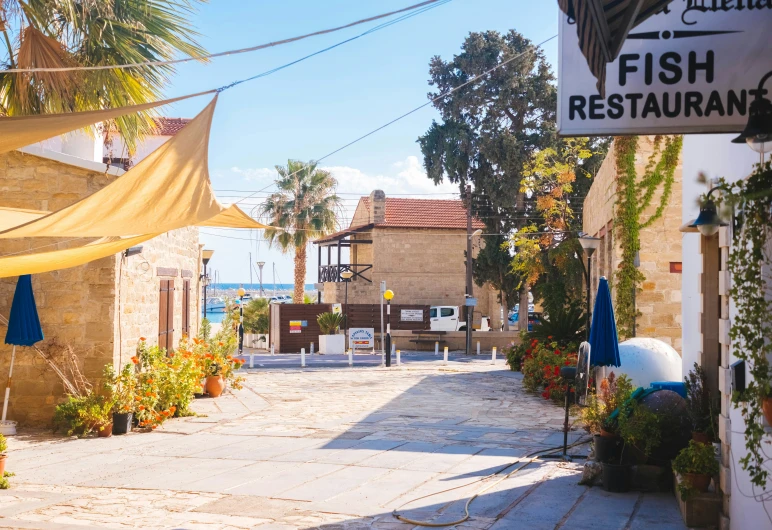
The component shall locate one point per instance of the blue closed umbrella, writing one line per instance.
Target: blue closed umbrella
(23, 325)
(604, 341)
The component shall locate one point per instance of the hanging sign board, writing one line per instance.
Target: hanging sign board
(362, 338)
(411, 315)
(692, 68)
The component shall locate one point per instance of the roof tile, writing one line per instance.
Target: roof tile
(424, 213)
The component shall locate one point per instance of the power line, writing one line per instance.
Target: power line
(230, 52)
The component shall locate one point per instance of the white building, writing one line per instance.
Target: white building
(707, 313)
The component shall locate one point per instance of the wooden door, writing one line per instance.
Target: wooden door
(166, 315)
(186, 308)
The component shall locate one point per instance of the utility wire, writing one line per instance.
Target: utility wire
(229, 52)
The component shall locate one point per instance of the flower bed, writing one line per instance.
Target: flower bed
(541, 364)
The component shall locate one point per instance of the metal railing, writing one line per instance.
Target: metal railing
(332, 273)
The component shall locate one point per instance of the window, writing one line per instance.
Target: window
(166, 315)
(433, 312)
(446, 312)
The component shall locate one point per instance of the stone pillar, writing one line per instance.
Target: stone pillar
(377, 207)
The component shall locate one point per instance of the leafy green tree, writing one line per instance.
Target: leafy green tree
(302, 210)
(63, 33)
(256, 316)
(488, 132)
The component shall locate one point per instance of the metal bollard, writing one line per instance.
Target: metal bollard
(251, 360)
(399, 361)
(478, 347)
(445, 356)
(302, 357)
(312, 348)
(493, 355)
(272, 353)
(436, 348)
(351, 357)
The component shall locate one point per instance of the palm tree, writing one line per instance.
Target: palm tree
(64, 33)
(303, 209)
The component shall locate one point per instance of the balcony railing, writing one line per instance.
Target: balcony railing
(332, 273)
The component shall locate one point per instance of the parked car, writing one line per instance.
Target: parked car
(450, 318)
(533, 318)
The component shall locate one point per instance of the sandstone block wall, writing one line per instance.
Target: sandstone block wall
(83, 307)
(659, 301)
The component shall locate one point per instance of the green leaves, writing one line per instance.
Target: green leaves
(329, 323)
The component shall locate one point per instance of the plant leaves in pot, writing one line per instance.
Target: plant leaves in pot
(696, 464)
(122, 422)
(3, 455)
(606, 448)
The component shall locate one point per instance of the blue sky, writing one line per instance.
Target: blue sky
(314, 107)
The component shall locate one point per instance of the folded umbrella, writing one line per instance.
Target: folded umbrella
(23, 325)
(604, 340)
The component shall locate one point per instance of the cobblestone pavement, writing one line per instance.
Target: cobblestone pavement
(327, 449)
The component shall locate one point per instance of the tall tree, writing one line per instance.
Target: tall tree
(302, 210)
(488, 132)
(63, 33)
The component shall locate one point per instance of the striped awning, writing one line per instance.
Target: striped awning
(603, 25)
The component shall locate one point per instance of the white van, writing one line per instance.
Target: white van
(450, 318)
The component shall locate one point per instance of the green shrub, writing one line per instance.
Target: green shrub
(3, 444)
(256, 316)
(564, 325)
(80, 415)
(703, 411)
(329, 323)
(640, 427)
(697, 458)
(515, 354)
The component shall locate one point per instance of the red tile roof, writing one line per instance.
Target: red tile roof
(170, 126)
(424, 213)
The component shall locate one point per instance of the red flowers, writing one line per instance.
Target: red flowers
(135, 359)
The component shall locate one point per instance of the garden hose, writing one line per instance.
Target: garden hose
(530, 460)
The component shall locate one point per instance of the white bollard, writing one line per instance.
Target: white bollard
(445, 356)
(399, 361)
(251, 360)
(393, 349)
(302, 357)
(350, 357)
(272, 354)
(478, 347)
(436, 348)
(312, 348)
(493, 355)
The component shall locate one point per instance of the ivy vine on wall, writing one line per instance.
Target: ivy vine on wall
(750, 265)
(634, 196)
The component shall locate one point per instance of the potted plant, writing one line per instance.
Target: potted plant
(596, 416)
(215, 383)
(696, 464)
(3, 455)
(122, 387)
(330, 342)
(703, 412)
(640, 430)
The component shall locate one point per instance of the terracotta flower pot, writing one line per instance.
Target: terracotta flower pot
(3, 458)
(105, 431)
(766, 408)
(701, 437)
(215, 384)
(604, 433)
(699, 482)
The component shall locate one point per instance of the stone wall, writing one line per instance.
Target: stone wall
(660, 298)
(83, 307)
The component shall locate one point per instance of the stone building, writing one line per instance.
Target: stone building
(659, 302)
(99, 309)
(416, 246)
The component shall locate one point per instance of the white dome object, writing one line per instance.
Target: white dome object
(646, 360)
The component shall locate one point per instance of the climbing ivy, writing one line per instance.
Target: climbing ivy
(634, 196)
(751, 328)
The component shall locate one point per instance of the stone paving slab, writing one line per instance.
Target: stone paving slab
(328, 449)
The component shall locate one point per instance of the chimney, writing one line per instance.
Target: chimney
(377, 207)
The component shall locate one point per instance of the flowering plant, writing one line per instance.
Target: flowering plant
(541, 368)
(121, 386)
(614, 391)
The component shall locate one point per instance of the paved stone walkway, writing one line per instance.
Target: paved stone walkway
(327, 449)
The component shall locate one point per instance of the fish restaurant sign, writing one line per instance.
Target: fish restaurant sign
(692, 68)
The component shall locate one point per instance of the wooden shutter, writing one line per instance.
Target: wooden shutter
(186, 307)
(166, 315)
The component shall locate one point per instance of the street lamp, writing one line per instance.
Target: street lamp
(708, 222)
(260, 265)
(206, 255)
(388, 294)
(241, 292)
(758, 131)
(590, 245)
(346, 275)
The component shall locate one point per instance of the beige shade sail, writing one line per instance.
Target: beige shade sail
(20, 131)
(231, 217)
(63, 259)
(168, 189)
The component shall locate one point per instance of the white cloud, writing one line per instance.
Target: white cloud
(263, 174)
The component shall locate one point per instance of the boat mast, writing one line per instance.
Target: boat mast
(274, 278)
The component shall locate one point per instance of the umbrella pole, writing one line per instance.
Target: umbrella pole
(8, 386)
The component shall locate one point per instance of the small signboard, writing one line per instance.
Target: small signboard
(470, 302)
(411, 315)
(337, 309)
(360, 338)
(693, 67)
(296, 326)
